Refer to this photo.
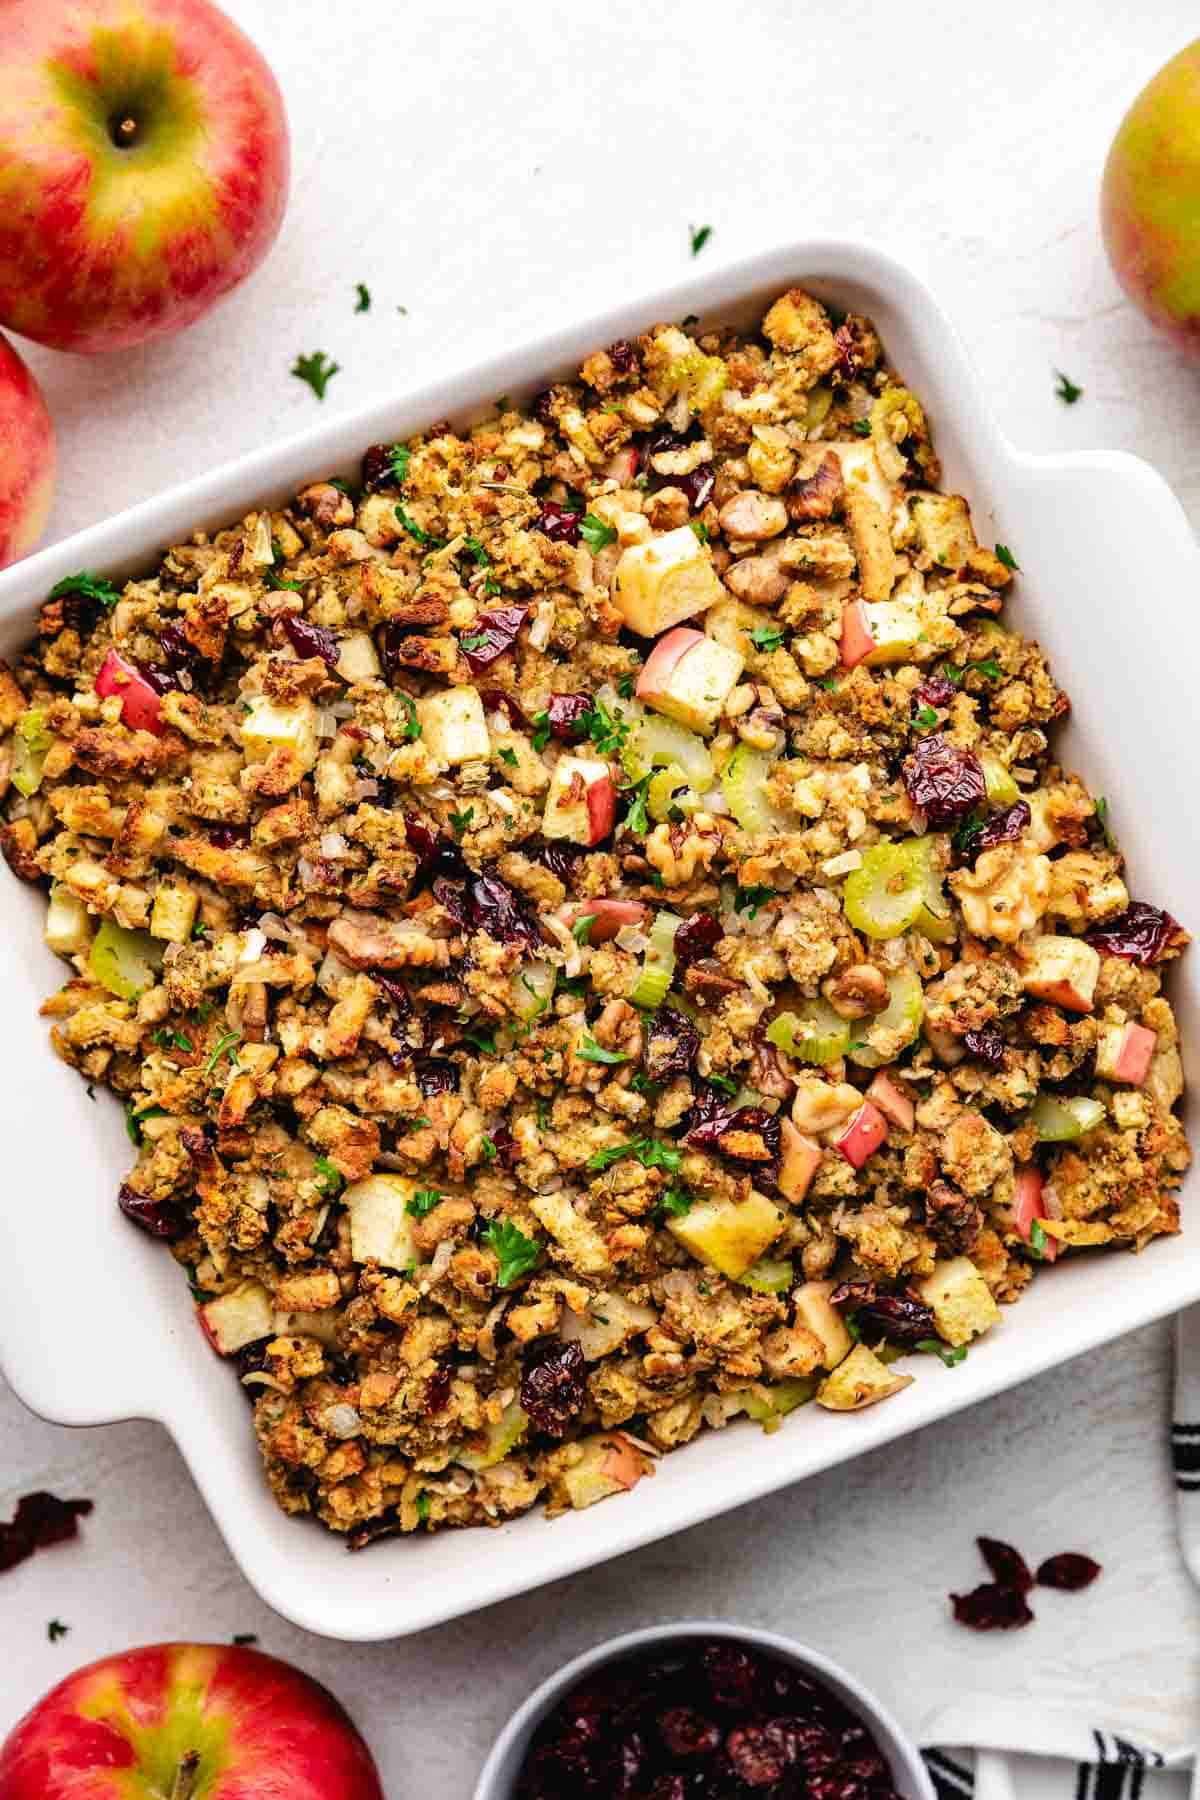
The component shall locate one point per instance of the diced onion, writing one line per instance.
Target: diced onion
(333, 844)
(255, 944)
(327, 725)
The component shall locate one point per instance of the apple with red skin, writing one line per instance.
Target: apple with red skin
(1028, 1188)
(141, 703)
(1125, 1052)
(799, 1161)
(892, 1102)
(581, 801)
(861, 1138)
(144, 165)
(27, 458)
(607, 916)
(187, 1722)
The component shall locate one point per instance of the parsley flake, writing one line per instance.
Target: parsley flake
(423, 1202)
(595, 533)
(330, 1180)
(507, 756)
(1037, 1240)
(989, 667)
(749, 899)
(490, 1152)
(411, 728)
(701, 529)
(637, 819)
(317, 370)
(698, 236)
(400, 456)
(423, 1505)
(88, 586)
(1007, 558)
(484, 1041)
(460, 821)
(541, 730)
(861, 428)
(951, 1355)
(766, 637)
(1067, 391)
(590, 1051)
(1102, 821)
(416, 532)
(56, 1630)
(652, 1153)
(726, 1083)
(226, 1045)
(474, 548)
(676, 1201)
(581, 930)
(363, 303)
(607, 730)
(924, 719)
(515, 1253)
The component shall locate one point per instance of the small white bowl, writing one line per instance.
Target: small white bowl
(498, 1778)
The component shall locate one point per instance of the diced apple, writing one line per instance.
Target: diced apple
(860, 469)
(607, 916)
(622, 466)
(960, 1300)
(729, 1235)
(484, 1449)
(611, 1464)
(1124, 1053)
(581, 802)
(860, 1381)
(878, 632)
(174, 912)
(236, 1319)
(1063, 970)
(892, 1101)
(688, 677)
(141, 702)
(320, 1325)
(1027, 1206)
(863, 1135)
(358, 659)
(453, 726)
(607, 1323)
(815, 1310)
(270, 726)
(799, 1161)
(670, 578)
(380, 1224)
(68, 927)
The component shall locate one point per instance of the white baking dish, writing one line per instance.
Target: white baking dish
(95, 1320)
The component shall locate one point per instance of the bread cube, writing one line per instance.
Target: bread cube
(960, 1300)
(271, 726)
(174, 911)
(453, 726)
(380, 1225)
(657, 584)
(860, 1381)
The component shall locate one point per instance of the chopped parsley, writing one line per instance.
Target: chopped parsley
(400, 456)
(363, 303)
(484, 1041)
(676, 1201)
(460, 821)
(423, 1505)
(226, 1045)
(625, 687)
(411, 728)
(1007, 558)
(490, 1152)
(967, 832)
(423, 1202)
(515, 1253)
(652, 1153)
(88, 586)
(726, 1083)
(476, 641)
(1037, 1240)
(861, 428)
(245, 1638)
(173, 1040)
(507, 756)
(701, 529)
(924, 719)
(951, 1355)
(330, 1180)
(749, 899)
(317, 370)
(1067, 391)
(607, 730)
(828, 682)
(595, 533)
(590, 1051)
(416, 532)
(766, 637)
(698, 236)
(541, 730)
(134, 1116)
(581, 930)
(1102, 821)
(56, 1630)
(474, 548)
(989, 667)
(637, 819)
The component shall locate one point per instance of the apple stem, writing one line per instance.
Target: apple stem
(185, 1777)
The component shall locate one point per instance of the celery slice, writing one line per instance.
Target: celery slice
(769, 1275)
(124, 962)
(32, 740)
(656, 742)
(670, 789)
(815, 1034)
(935, 919)
(1061, 1121)
(885, 894)
(900, 1019)
(533, 990)
(744, 784)
(658, 962)
(769, 1405)
(1002, 790)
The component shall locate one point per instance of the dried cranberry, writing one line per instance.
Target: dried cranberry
(834, 1786)
(182, 656)
(554, 1385)
(1069, 1571)
(669, 1787)
(228, 837)
(40, 1520)
(433, 1075)
(663, 439)
(78, 612)
(1001, 828)
(731, 1675)
(508, 1151)
(307, 639)
(494, 907)
(630, 1765)
(391, 639)
(566, 715)
(710, 1114)
(991, 1607)
(671, 1044)
(987, 1044)
(696, 937)
(936, 690)
(437, 1390)
(435, 855)
(697, 485)
(1007, 1565)
(492, 634)
(623, 356)
(560, 859)
(378, 470)
(942, 780)
(161, 1218)
(1141, 934)
(495, 700)
(755, 1120)
(897, 1317)
(161, 680)
(197, 1140)
(561, 524)
(686, 1732)
(757, 1759)
(396, 992)
(250, 1359)
(849, 361)
(542, 406)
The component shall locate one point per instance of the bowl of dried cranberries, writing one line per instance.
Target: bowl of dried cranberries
(703, 1712)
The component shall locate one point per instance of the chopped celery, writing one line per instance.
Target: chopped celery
(32, 741)
(744, 784)
(820, 399)
(668, 790)
(767, 1406)
(68, 929)
(658, 962)
(1002, 790)
(769, 1275)
(1060, 1121)
(533, 990)
(814, 1034)
(656, 742)
(935, 919)
(884, 896)
(492, 1445)
(900, 1020)
(124, 962)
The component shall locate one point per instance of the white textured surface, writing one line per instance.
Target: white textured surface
(494, 169)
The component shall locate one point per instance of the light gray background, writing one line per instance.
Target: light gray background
(495, 168)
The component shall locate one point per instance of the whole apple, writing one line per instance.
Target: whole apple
(187, 1722)
(1150, 200)
(26, 458)
(143, 162)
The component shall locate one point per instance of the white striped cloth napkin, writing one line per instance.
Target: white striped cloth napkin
(984, 1748)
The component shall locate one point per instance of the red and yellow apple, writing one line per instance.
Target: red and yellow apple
(892, 1101)
(143, 164)
(1124, 1053)
(1028, 1189)
(688, 677)
(581, 801)
(26, 458)
(187, 1722)
(607, 916)
(800, 1158)
(864, 1133)
(1150, 200)
(141, 703)
(878, 631)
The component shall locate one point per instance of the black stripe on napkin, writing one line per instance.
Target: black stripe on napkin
(1180, 1430)
(952, 1780)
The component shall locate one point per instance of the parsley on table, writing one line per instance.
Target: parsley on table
(507, 756)
(244, 1638)
(924, 719)
(363, 303)
(861, 428)
(541, 730)
(411, 728)
(56, 1630)
(701, 529)
(1007, 558)
(749, 899)
(637, 819)
(226, 1045)
(460, 821)
(1068, 392)
(515, 1253)
(422, 1202)
(416, 532)
(595, 533)
(423, 1505)
(330, 1180)
(590, 1051)
(699, 236)
(400, 456)
(951, 1355)
(88, 587)
(766, 637)
(581, 930)
(317, 370)
(676, 1201)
